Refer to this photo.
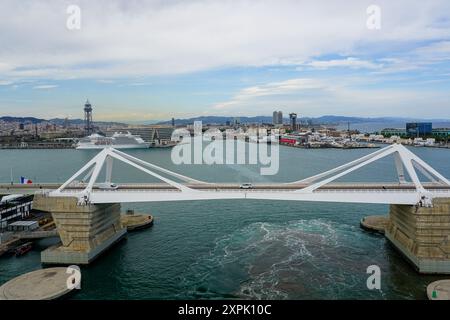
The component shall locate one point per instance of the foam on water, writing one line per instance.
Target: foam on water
(299, 259)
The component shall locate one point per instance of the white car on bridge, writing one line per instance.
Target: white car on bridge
(107, 186)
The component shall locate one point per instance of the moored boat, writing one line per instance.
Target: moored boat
(23, 249)
(118, 141)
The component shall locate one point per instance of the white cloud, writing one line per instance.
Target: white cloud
(45, 86)
(132, 38)
(349, 62)
(306, 96)
(105, 81)
(274, 88)
(437, 51)
(6, 82)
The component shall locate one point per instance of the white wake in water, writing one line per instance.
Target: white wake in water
(297, 260)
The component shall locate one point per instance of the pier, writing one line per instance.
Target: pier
(42, 284)
(375, 223)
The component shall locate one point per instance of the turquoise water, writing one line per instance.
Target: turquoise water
(236, 248)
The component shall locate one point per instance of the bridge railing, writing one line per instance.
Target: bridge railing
(265, 190)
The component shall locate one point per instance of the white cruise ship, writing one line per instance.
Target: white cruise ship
(119, 140)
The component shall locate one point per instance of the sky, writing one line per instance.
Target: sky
(154, 60)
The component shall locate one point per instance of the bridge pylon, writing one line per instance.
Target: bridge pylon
(404, 159)
(105, 158)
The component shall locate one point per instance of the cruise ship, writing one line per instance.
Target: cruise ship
(119, 140)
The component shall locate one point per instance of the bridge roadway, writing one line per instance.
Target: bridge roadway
(380, 193)
(380, 186)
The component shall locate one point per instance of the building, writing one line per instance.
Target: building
(23, 226)
(442, 133)
(277, 118)
(387, 132)
(419, 129)
(14, 209)
(293, 117)
(161, 136)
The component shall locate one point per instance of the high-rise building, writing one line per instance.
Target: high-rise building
(277, 118)
(293, 117)
(173, 122)
(88, 126)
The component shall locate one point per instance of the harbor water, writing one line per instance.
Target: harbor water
(243, 249)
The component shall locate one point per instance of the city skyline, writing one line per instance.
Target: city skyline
(148, 61)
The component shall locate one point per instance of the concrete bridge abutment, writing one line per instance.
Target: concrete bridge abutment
(85, 230)
(422, 234)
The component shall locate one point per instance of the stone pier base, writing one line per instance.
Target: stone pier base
(85, 231)
(422, 235)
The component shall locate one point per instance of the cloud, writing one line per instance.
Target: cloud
(429, 57)
(4, 67)
(6, 82)
(306, 96)
(275, 88)
(350, 62)
(105, 81)
(138, 84)
(436, 51)
(121, 38)
(45, 86)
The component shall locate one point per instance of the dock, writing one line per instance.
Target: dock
(374, 223)
(136, 221)
(439, 290)
(42, 284)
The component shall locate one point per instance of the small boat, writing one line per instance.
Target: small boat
(23, 249)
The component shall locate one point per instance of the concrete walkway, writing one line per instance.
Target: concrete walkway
(375, 223)
(136, 221)
(43, 284)
(439, 290)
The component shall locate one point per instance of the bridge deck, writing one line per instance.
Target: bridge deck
(31, 188)
(380, 193)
